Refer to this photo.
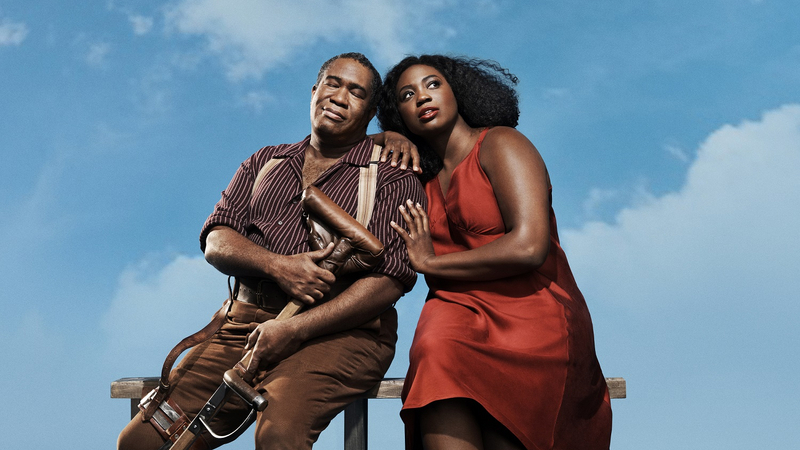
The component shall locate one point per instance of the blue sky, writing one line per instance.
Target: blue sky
(671, 131)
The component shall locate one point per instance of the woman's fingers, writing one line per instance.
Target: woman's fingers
(385, 152)
(409, 220)
(424, 222)
(402, 232)
(412, 209)
(399, 156)
(418, 213)
(411, 155)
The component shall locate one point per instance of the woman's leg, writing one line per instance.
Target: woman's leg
(450, 425)
(495, 435)
(463, 424)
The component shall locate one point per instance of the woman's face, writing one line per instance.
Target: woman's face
(425, 100)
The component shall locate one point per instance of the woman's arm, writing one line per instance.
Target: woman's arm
(520, 182)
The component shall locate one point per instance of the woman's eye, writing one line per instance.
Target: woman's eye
(405, 95)
(434, 84)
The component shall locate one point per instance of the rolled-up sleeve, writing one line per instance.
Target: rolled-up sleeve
(232, 210)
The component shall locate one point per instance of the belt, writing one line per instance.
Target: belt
(260, 292)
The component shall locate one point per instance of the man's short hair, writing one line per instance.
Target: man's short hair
(375, 85)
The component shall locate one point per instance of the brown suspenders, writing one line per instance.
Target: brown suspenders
(367, 184)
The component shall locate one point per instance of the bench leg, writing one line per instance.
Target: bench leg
(355, 425)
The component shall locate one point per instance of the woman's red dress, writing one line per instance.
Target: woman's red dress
(521, 346)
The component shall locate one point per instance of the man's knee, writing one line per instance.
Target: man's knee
(138, 435)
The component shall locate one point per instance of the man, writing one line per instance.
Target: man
(311, 366)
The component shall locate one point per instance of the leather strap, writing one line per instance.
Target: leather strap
(265, 294)
(190, 341)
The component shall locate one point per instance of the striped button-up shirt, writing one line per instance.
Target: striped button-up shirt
(272, 218)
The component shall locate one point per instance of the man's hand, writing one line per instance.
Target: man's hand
(300, 276)
(271, 341)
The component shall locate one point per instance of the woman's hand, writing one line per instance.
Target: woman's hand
(418, 237)
(399, 149)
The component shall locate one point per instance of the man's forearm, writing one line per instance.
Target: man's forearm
(233, 254)
(362, 301)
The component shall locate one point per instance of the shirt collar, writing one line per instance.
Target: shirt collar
(359, 155)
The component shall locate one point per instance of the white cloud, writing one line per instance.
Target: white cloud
(256, 100)
(152, 92)
(155, 307)
(694, 293)
(96, 56)
(677, 152)
(34, 219)
(141, 24)
(597, 199)
(12, 33)
(253, 36)
(727, 237)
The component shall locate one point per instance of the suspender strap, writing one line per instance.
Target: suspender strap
(263, 172)
(367, 185)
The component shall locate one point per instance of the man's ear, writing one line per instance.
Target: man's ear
(370, 115)
(313, 89)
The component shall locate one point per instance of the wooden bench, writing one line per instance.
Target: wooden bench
(355, 415)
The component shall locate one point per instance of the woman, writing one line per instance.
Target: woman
(503, 355)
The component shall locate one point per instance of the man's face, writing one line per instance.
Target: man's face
(340, 103)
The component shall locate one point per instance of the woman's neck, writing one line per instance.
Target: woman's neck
(454, 146)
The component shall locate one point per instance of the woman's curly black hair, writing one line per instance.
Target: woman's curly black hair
(483, 89)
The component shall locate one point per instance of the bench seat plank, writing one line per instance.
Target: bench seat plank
(134, 388)
(355, 415)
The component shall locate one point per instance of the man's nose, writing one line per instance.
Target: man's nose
(339, 97)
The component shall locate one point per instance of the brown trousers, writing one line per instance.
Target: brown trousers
(304, 392)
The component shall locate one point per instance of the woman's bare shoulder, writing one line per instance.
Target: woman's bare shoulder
(506, 143)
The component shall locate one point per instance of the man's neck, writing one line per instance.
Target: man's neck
(330, 149)
(320, 157)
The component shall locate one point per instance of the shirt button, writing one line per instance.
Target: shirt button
(280, 222)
